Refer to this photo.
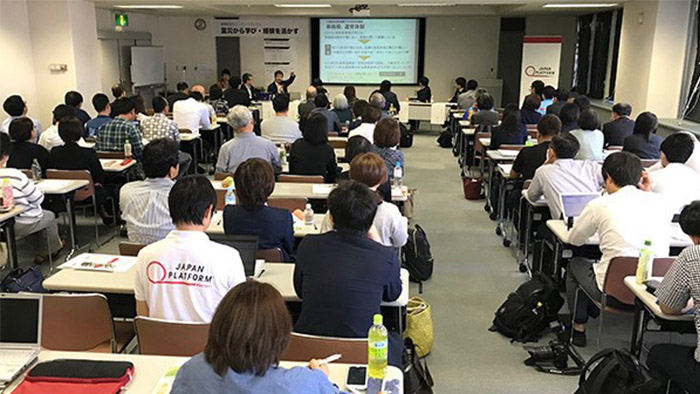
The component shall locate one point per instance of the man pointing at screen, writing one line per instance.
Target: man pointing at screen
(279, 85)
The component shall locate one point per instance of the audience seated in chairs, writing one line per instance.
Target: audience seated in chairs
(313, 155)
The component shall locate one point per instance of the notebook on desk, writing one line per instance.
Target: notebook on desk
(20, 334)
(573, 204)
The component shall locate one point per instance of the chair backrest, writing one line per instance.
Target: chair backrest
(27, 173)
(111, 155)
(220, 199)
(532, 133)
(220, 176)
(76, 322)
(130, 248)
(332, 133)
(661, 266)
(618, 269)
(616, 148)
(303, 347)
(273, 255)
(338, 144)
(511, 147)
(646, 163)
(288, 203)
(167, 338)
(81, 194)
(300, 178)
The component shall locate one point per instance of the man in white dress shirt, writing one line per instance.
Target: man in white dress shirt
(185, 276)
(370, 116)
(192, 113)
(624, 219)
(50, 138)
(675, 180)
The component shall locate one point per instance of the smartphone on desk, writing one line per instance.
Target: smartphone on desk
(652, 285)
(357, 378)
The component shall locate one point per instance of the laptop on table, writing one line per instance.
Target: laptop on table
(573, 204)
(20, 334)
(246, 245)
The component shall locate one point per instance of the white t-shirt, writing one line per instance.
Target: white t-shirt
(365, 129)
(184, 276)
(50, 139)
(678, 182)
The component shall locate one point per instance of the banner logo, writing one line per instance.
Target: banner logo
(184, 274)
(539, 72)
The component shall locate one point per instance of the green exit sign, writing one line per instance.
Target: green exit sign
(121, 20)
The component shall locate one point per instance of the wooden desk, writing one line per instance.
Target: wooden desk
(343, 167)
(115, 165)
(7, 222)
(292, 190)
(149, 369)
(300, 231)
(647, 308)
(66, 190)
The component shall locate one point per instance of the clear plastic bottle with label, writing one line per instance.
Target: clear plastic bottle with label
(398, 175)
(230, 197)
(378, 356)
(308, 215)
(645, 263)
(127, 149)
(8, 199)
(36, 170)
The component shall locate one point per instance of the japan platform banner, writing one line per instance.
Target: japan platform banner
(541, 60)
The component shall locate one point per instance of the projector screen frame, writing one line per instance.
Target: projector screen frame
(315, 51)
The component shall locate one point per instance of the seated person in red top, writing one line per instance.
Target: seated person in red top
(25, 152)
(255, 181)
(73, 157)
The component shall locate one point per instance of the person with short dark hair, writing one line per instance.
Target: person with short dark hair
(280, 85)
(424, 95)
(249, 334)
(356, 146)
(312, 154)
(644, 142)
(561, 174)
(184, 276)
(16, 107)
(113, 135)
(460, 87)
(183, 93)
(530, 158)
(140, 106)
(322, 104)
(392, 101)
(274, 227)
(582, 102)
(589, 136)
(24, 152)
(118, 91)
(245, 145)
(620, 125)
(318, 84)
(387, 135)
(217, 101)
(511, 131)
(569, 117)
(193, 113)
(467, 99)
(100, 102)
(559, 100)
(679, 365)
(357, 109)
(485, 114)
(528, 113)
(74, 100)
(144, 204)
(537, 88)
(280, 128)
(547, 99)
(370, 116)
(248, 87)
(331, 269)
(678, 182)
(235, 95)
(624, 219)
(50, 137)
(33, 222)
(224, 77)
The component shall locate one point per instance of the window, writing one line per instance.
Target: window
(691, 83)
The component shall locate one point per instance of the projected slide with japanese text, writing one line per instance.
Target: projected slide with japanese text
(368, 51)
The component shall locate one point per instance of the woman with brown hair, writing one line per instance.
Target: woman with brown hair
(248, 334)
(386, 141)
(274, 227)
(391, 227)
(350, 94)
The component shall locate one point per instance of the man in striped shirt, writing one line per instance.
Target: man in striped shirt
(144, 204)
(33, 220)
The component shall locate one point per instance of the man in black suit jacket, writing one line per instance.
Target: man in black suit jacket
(247, 80)
(620, 127)
(279, 85)
(343, 276)
(560, 97)
(391, 99)
(235, 95)
(183, 93)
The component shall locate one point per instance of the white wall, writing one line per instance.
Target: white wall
(85, 50)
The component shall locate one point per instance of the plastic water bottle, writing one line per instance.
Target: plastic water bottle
(283, 156)
(8, 199)
(127, 149)
(378, 340)
(36, 170)
(308, 215)
(645, 263)
(230, 197)
(398, 175)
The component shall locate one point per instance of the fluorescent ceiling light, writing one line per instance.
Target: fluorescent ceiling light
(426, 5)
(149, 7)
(303, 5)
(580, 5)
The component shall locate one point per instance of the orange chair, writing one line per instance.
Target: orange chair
(82, 322)
(288, 203)
(303, 347)
(339, 144)
(273, 255)
(300, 178)
(130, 248)
(168, 338)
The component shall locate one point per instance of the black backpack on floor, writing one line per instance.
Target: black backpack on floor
(529, 309)
(416, 255)
(613, 371)
(445, 139)
(406, 140)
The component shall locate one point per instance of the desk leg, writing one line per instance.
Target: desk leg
(489, 184)
(638, 328)
(71, 223)
(528, 232)
(11, 242)
(195, 157)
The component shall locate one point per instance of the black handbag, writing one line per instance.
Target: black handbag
(416, 375)
(24, 280)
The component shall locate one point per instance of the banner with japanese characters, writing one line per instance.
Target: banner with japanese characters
(259, 27)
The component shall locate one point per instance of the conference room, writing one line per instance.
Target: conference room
(286, 196)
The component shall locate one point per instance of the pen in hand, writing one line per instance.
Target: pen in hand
(330, 359)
